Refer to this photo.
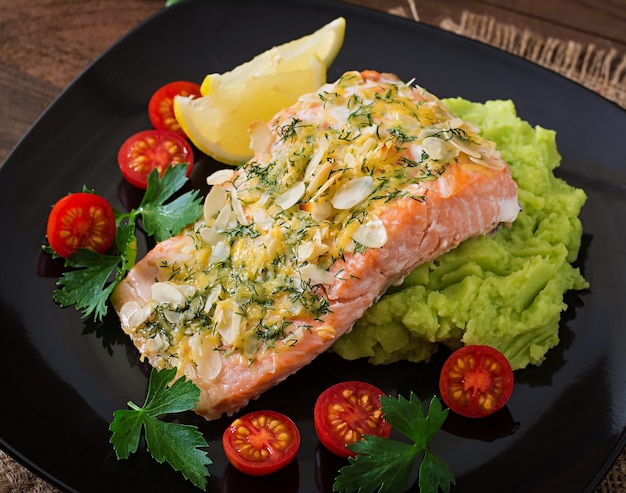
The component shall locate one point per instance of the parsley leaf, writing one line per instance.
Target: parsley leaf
(92, 276)
(177, 444)
(164, 220)
(86, 284)
(384, 465)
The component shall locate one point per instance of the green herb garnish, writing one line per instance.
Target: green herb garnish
(93, 276)
(383, 465)
(178, 444)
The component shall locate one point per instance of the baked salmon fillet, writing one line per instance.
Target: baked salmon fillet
(348, 191)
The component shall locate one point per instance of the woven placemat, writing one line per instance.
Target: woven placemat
(599, 69)
(603, 71)
(16, 479)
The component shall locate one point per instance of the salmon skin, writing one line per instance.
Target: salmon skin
(348, 191)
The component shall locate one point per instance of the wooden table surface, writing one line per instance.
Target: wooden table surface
(45, 44)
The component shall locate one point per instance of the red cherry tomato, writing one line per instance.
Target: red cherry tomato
(161, 105)
(261, 442)
(150, 149)
(81, 220)
(347, 411)
(476, 381)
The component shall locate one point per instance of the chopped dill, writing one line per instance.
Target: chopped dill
(288, 131)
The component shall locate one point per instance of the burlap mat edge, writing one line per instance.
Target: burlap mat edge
(601, 70)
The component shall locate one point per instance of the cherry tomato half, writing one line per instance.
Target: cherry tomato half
(476, 381)
(81, 220)
(347, 411)
(149, 149)
(161, 105)
(261, 442)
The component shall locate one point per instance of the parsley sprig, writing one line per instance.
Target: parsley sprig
(178, 444)
(384, 465)
(92, 276)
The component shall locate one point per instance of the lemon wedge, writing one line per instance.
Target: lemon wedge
(217, 122)
(324, 43)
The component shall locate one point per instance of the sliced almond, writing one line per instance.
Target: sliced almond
(207, 359)
(212, 298)
(319, 177)
(221, 252)
(133, 315)
(214, 202)
(349, 160)
(488, 163)
(455, 123)
(305, 250)
(316, 275)
(167, 293)
(262, 219)
(155, 344)
(319, 211)
(172, 316)
(209, 235)
(226, 219)
(260, 137)
(292, 196)
(371, 234)
(353, 192)
(315, 161)
(438, 149)
(238, 208)
(220, 176)
(211, 365)
(310, 250)
(229, 322)
(463, 146)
